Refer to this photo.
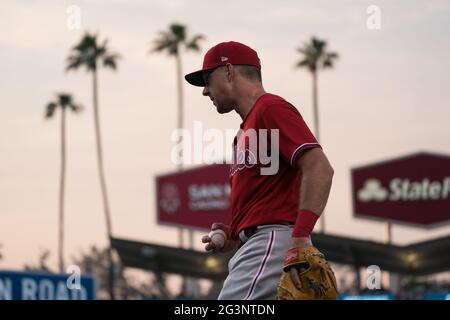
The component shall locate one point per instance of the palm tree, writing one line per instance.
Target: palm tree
(89, 53)
(171, 42)
(315, 57)
(63, 101)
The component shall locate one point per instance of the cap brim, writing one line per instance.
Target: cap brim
(195, 78)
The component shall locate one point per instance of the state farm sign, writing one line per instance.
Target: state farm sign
(194, 198)
(413, 189)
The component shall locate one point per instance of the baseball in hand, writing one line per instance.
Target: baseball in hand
(218, 237)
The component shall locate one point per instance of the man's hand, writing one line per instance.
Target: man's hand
(229, 244)
(296, 270)
(301, 242)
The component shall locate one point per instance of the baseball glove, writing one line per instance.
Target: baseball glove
(318, 280)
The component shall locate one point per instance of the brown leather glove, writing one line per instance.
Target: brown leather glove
(318, 280)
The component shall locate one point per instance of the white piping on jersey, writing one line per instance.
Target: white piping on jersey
(262, 266)
(303, 145)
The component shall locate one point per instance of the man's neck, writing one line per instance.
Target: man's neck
(248, 100)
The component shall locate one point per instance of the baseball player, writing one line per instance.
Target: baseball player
(273, 214)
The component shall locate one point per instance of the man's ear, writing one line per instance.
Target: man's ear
(230, 71)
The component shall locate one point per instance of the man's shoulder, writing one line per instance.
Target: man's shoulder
(272, 103)
(273, 98)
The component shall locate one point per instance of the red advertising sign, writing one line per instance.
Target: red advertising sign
(414, 189)
(194, 198)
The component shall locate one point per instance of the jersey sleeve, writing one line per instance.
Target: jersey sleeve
(294, 135)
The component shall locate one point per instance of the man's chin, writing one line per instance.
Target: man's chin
(223, 110)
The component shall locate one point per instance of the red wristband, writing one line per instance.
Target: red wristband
(304, 225)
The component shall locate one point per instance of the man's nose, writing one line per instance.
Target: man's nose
(205, 91)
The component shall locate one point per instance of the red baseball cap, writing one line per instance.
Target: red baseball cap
(221, 54)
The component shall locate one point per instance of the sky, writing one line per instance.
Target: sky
(386, 97)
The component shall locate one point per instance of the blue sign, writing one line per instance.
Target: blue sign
(368, 297)
(437, 296)
(31, 285)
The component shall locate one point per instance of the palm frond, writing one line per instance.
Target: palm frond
(64, 99)
(88, 41)
(50, 110)
(76, 107)
(73, 63)
(110, 61)
(178, 31)
(161, 43)
(169, 41)
(327, 64)
(194, 43)
(305, 49)
(166, 42)
(318, 45)
(328, 59)
(332, 55)
(88, 51)
(315, 55)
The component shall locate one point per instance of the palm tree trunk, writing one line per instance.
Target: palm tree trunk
(103, 185)
(180, 126)
(317, 131)
(180, 165)
(61, 191)
(180, 103)
(316, 106)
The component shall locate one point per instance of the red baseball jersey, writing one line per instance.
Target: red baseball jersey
(256, 198)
